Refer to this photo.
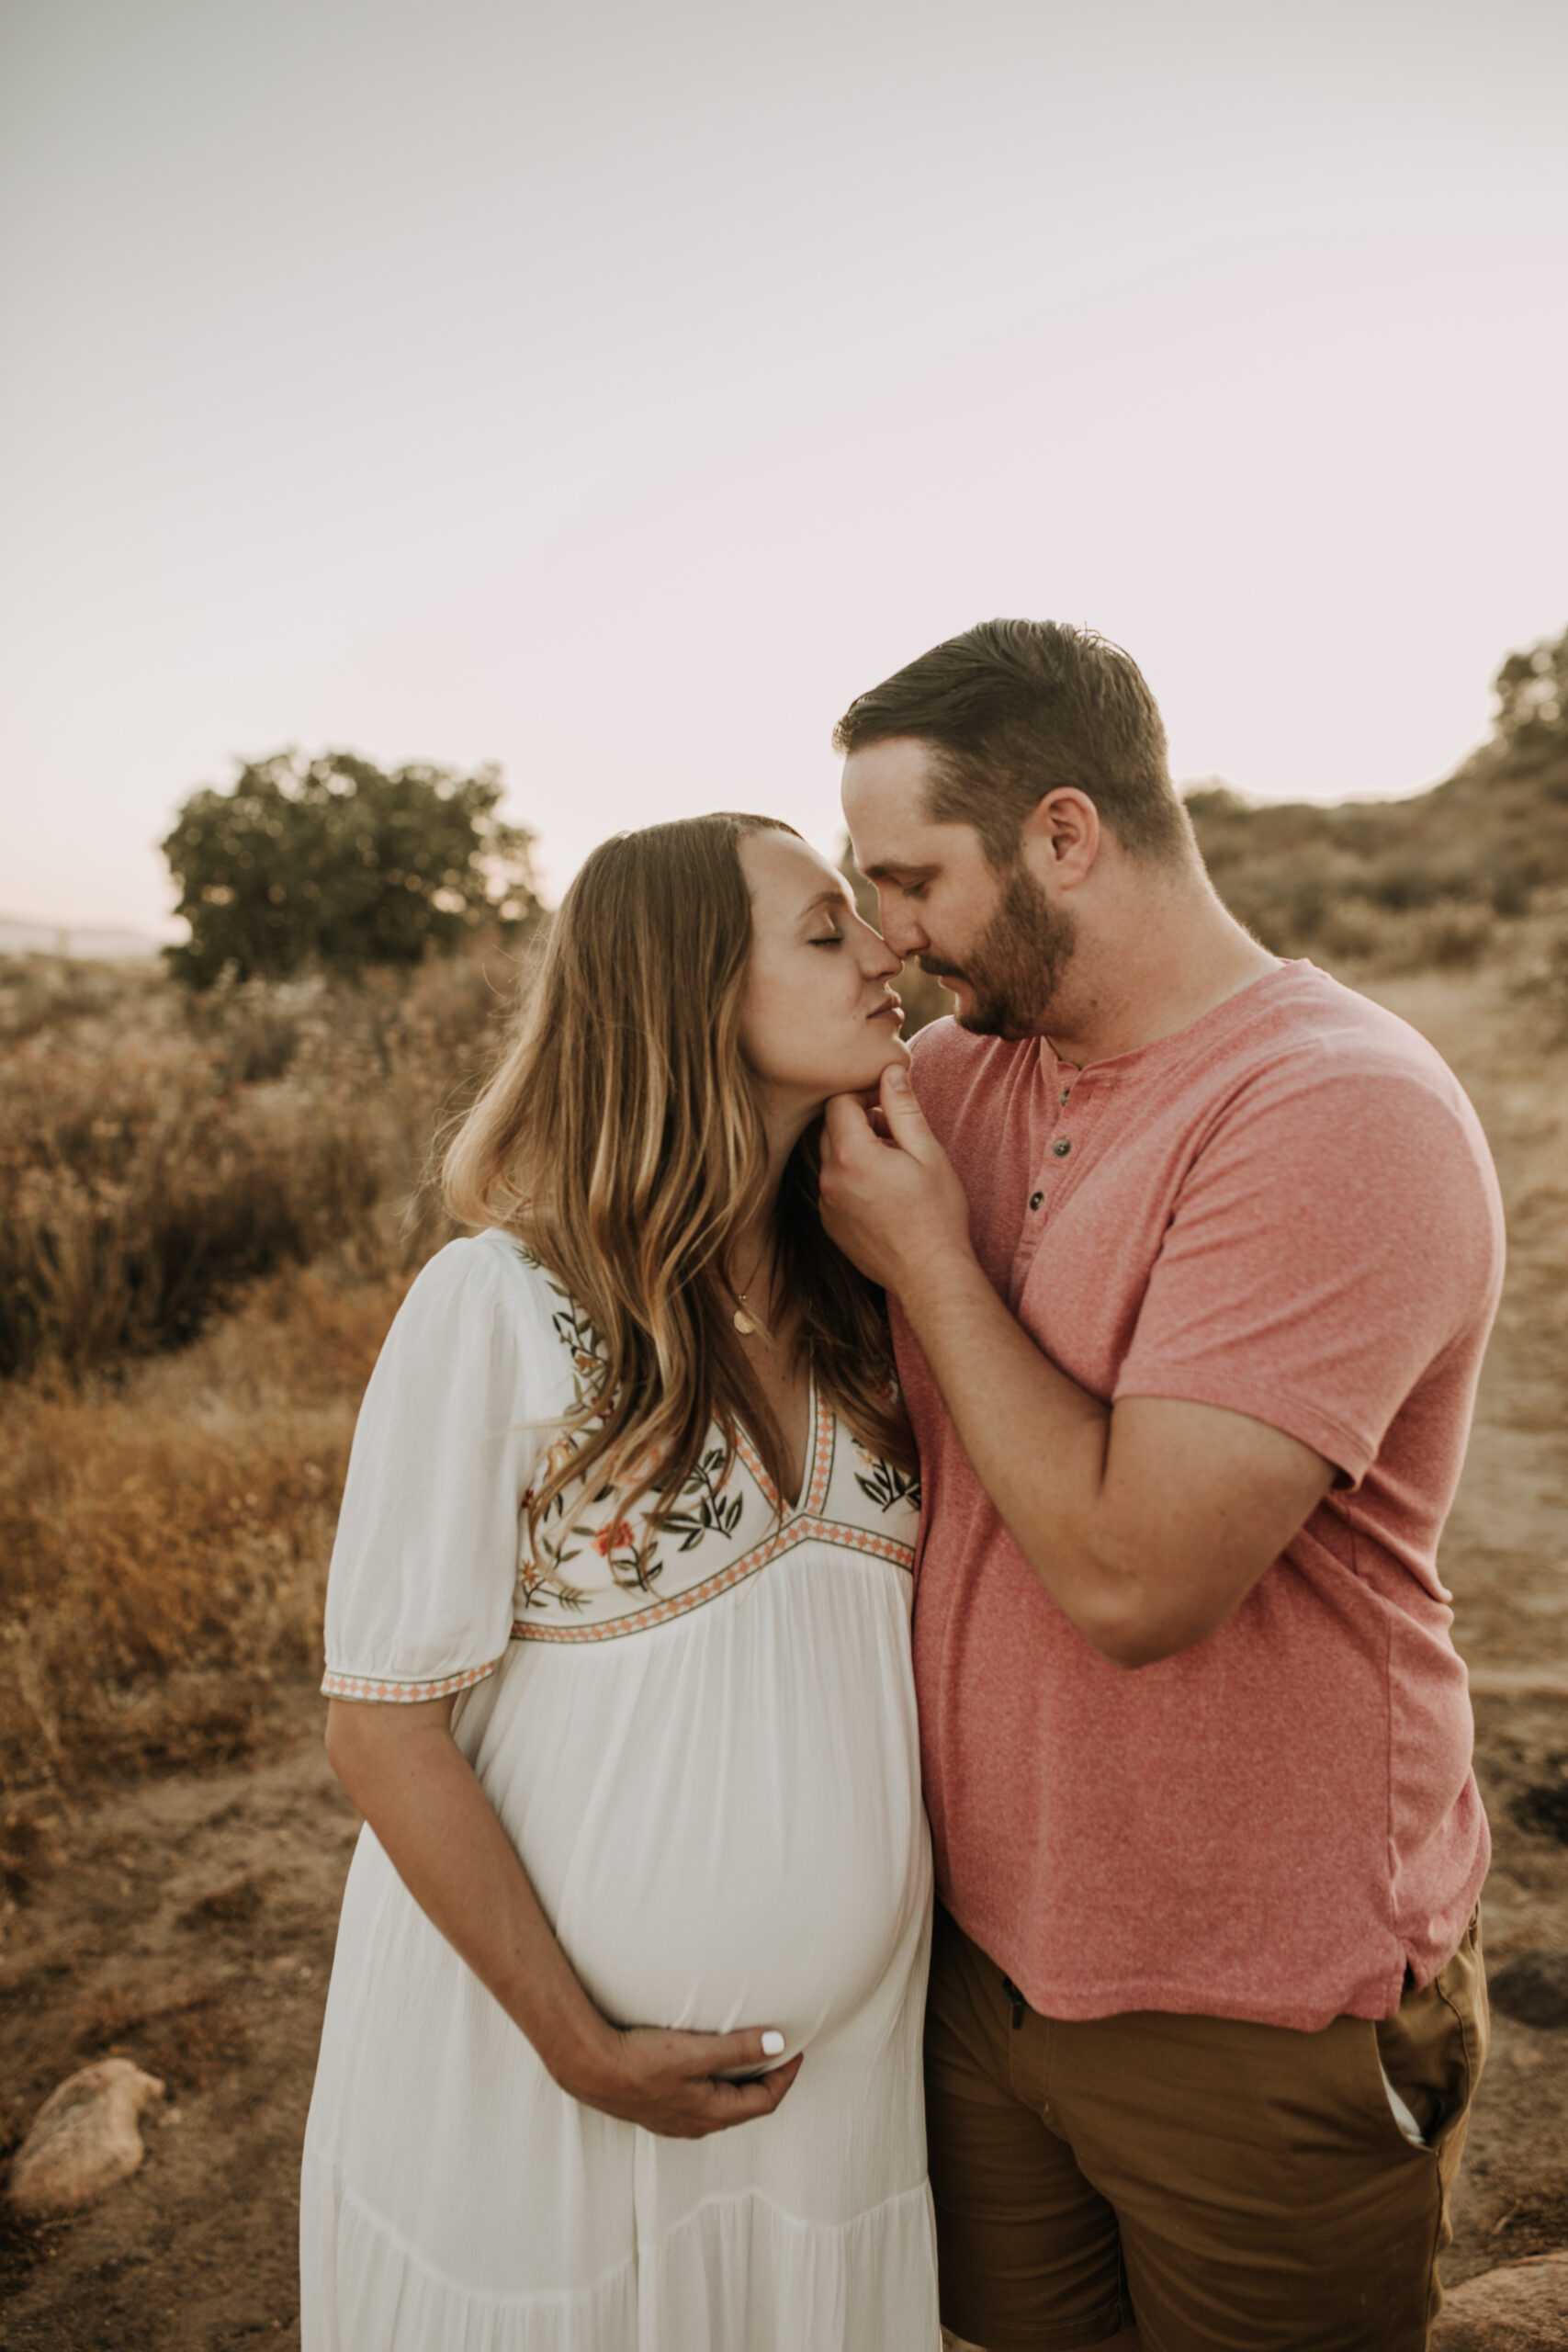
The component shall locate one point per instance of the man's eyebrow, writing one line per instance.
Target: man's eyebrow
(889, 870)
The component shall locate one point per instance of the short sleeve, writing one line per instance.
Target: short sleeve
(420, 1591)
(1336, 1237)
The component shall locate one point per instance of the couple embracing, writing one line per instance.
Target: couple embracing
(1128, 1338)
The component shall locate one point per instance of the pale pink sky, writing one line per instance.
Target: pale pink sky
(613, 391)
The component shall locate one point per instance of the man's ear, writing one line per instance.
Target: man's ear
(1062, 836)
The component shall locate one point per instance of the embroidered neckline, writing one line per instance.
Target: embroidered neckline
(822, 1427)
(710, 1506)
(797, 1529)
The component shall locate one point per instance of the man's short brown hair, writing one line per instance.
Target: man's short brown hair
(1015, 709)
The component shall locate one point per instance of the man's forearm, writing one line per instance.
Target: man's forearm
(1037, 1441)
(1148, 1524)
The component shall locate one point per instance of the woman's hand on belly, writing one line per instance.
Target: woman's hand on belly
(667, 2081)
(405, 1772)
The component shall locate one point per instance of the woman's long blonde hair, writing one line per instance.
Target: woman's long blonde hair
(619, 1139)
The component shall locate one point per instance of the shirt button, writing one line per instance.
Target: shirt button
(1062, 1149)
(1064, 1094)
(1035, 1199)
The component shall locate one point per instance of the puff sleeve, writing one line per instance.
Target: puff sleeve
(461, 1406)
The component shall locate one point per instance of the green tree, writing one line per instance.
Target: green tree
(338, 862)
(1531, 688)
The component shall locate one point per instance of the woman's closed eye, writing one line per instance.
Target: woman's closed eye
(827, 939)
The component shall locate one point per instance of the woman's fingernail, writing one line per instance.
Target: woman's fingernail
(772, 2044)
(898, 1079)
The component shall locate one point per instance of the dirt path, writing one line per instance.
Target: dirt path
(190, 1923)
(191, 1930)
(1505, 1559)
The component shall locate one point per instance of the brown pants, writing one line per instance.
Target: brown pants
(1232, 2188)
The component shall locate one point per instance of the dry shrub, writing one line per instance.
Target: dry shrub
(48, 992)
(1454, 938)
(1349, 931)
(1446, 937)
(159, 1153)
(241, 1177)
(163, 1542)
(134, 1195)
(1354, 881)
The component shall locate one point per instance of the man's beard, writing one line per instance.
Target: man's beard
(1017, 964)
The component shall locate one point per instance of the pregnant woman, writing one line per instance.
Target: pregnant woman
(621, 2052)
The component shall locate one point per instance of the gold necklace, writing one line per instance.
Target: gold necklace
(745, 1324)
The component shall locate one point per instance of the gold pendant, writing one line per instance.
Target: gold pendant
(743, 1323)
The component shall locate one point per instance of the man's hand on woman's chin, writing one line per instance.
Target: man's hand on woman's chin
(888, 1193)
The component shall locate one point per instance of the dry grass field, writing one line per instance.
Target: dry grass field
(209, 1209)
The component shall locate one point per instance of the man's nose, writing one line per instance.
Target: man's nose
(900, 929)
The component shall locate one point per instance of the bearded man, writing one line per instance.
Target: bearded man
(1192, 1254)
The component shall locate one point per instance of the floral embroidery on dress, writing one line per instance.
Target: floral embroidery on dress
(714, 1512)
(631, 1551)
(537, 1589)
(883, 1484)
(725, 1526)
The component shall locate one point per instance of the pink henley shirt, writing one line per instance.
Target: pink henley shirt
(1287, 1209)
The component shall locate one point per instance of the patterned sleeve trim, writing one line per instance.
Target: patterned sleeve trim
(366, 1686)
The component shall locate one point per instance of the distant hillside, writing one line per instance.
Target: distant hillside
(1422, 880)
(79, 943)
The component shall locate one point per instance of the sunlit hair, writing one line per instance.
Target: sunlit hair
(620, 1140)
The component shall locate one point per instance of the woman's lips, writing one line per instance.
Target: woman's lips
(892, 1011)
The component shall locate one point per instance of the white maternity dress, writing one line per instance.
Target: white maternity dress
(702, 1741)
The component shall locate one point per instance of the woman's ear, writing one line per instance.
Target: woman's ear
(1062, 836)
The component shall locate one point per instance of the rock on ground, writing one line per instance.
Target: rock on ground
(83, 2139)
(1521, 2307)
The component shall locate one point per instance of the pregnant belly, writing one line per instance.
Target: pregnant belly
(731, 1831)
(771, 1901)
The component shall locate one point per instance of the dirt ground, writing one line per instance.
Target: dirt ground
(188, 1923)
